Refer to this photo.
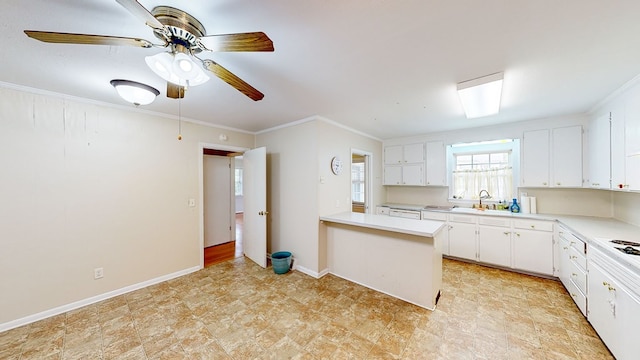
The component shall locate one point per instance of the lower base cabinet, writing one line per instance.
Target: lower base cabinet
(614, 309)
(494, 245)
(462, 240)
(533, 251)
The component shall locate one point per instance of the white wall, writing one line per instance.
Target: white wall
(301, 186)
(86, 186)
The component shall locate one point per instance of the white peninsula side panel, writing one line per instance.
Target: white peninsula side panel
(399, 257)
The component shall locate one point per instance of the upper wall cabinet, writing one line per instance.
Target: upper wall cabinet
(622, 150)
(599, 152)
(436, 164)
(552, 158)
(535, 158)
(632, 140)
(566, 156)
(404, 164)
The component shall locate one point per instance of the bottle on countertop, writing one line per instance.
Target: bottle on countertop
(515, 208)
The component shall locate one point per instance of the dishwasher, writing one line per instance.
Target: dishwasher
(408, 214)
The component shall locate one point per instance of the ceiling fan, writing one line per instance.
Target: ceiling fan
(185, 37)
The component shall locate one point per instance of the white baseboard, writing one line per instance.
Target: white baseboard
(94, 299)
(312, 273)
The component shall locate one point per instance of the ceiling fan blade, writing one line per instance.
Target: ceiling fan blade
(141, 13)
(253, 41)
(175, 91)
(231, 79)
(86, 39)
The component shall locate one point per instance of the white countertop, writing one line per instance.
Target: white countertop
(427, 228)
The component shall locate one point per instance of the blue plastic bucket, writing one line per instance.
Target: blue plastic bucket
(281, 262)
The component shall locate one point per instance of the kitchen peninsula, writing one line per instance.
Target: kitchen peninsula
(399, 257)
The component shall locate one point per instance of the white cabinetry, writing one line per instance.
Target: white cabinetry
(535, 158)
(614, 304)
(462, 236)
(436, 168)
(444, 234)
(494, 241)
(618, 158)
(404, 164)
(632, 140)
(566, 156)
(573, 267)
(532, 242)
(599, 153)
(552, 159)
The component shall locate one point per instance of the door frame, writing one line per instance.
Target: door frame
(201, 147)
(368, 175)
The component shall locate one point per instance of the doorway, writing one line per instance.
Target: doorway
(221, 225)
(361, 181)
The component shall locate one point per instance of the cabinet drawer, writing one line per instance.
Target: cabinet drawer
(578, 258)
(578, 276)
(429, 215)
(463, 219)
(382, 210)
(533, 224)
(578, 297)
(494, 221)
(574, 242)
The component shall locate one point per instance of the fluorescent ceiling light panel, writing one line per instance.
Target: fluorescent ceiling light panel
(481, 97)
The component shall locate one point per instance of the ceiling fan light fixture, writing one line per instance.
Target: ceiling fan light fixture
(135, 92)
(481, 97)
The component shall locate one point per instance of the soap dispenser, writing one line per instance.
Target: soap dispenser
(515, 208)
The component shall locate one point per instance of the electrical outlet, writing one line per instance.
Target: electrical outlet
(98, 273)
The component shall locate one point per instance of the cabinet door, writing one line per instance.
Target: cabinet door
(393, 175)
(413, 175)
(413, 153)
(533, 251)
(618, 158)
(535, 158)
(632, 140)
(564, 272)
(436, 163)
(602, 308)
(567, 157)
(462, 240)
(494, 245)
(600, 152)
(393, 155)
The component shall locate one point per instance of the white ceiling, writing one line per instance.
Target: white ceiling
(388, 68)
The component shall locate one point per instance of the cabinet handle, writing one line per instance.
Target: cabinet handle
(507, 232)
(574, 295)
(544, 183)
(561, 232)
(573, 257)
(566, 248)
(533, 226)
(574, 274)
(571, 243)
(606, 283)
(558, 184)
(517, 234)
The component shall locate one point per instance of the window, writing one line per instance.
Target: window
(238, 182)
(357, 182)
(484, 166)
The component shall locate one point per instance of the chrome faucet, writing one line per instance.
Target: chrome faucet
(480, 196)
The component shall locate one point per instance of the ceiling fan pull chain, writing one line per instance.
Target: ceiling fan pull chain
(179, 118)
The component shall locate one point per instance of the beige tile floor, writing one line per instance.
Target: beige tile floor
(236, 310)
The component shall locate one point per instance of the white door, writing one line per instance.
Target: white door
(217, 200)
(254, 187)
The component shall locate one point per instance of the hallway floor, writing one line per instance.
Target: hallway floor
(237, 310)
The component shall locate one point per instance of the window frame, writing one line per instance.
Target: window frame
(511, 146)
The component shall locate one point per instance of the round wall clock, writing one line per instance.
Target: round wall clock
(336, 165)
